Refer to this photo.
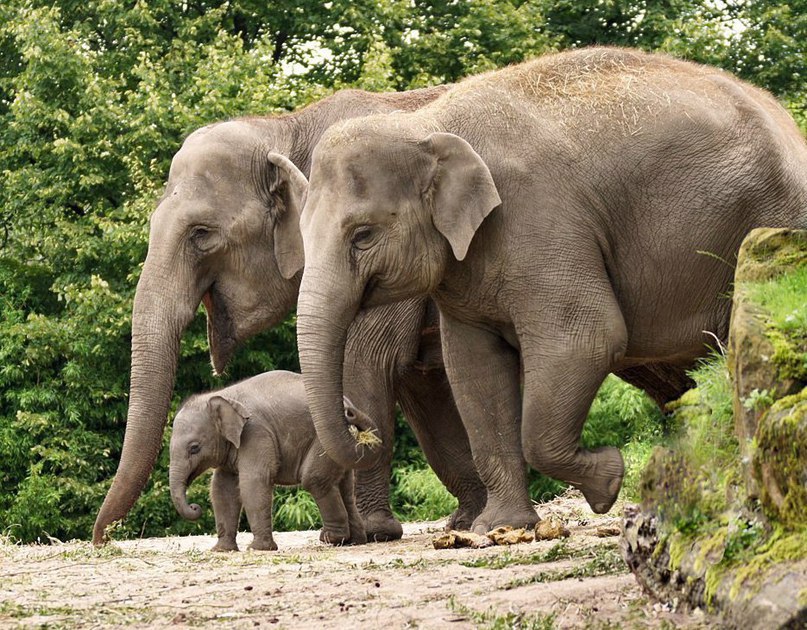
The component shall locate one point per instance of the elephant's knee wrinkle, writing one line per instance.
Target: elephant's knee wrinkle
(546, 458)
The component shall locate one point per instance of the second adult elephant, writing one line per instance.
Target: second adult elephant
(571, 216)
(226, 234)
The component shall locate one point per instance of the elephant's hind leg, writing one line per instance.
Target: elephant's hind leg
(319, 481)
(563, 370)
(428, 404)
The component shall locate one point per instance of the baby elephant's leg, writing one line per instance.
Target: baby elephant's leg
(256, 494)
(226, 501)
(358, 535)
(324, 487)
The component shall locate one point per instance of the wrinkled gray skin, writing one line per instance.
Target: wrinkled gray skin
(257, 434)
(571, 216)
(226, 233)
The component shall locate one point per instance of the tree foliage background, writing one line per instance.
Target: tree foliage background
(95, 97)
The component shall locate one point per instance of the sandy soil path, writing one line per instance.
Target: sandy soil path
(578, 582)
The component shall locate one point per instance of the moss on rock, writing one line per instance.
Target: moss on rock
(768, 252)
(780, 460)
(716, 545)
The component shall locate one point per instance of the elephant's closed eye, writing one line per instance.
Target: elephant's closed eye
(194, 449)
(203, 238)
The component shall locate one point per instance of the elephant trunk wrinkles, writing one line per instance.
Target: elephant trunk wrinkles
(323, 318)
(157, 326)
(178, 482)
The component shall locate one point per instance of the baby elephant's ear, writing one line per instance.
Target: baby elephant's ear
(231, 416)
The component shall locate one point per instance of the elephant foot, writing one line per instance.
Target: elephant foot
(334, 536)
(602, 490)
(263, 544)
(382, 526)
(462, 518)
(225, 545)
(493, 517)
(357, 536)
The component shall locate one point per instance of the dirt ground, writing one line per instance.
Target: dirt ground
(577, 582)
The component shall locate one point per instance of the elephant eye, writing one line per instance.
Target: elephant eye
(203, 237)
(194, 449)
(362, 237)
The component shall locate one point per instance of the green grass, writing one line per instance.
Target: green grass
(710, 436)
(491, 620)
(559, 551)
(420, 495)
(295, 509)
(784, 299)
(606, 561)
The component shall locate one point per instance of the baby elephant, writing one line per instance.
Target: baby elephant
(255, 434)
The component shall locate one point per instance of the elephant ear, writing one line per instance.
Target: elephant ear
(283, 181)
(231, 416)
(462, 190)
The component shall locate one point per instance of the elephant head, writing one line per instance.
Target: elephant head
(386, 213)
(205, 431)
(225, 234)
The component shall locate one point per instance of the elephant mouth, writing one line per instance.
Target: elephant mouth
(221, 334)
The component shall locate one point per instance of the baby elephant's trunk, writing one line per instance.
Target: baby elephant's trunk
(179, 485)
(358, 418)
(362, 427)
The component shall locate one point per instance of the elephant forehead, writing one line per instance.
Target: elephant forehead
(380, 173)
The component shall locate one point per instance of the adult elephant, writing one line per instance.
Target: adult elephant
(226, 234)
(571, 216)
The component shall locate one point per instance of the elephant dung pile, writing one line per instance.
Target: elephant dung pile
(549, 529)
(723, 519)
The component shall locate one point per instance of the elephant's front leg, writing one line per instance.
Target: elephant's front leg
(558, 392)
(485, 377)
(370, 355)
(372, 498)
(224, 495)
(257, 493)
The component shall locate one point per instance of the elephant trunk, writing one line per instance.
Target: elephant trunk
(323, 319)
(178, 482)
(157, 326)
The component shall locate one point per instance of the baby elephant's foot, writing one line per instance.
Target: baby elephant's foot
(225, 544)
(602, 489)
(493, 517)
(382, 526)
(263, 544)
(334, 536)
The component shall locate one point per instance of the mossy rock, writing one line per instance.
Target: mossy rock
(780, 460)
(668, 485)
(765, 362)
(768, 252)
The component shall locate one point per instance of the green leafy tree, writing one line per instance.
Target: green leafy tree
(86, 138)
